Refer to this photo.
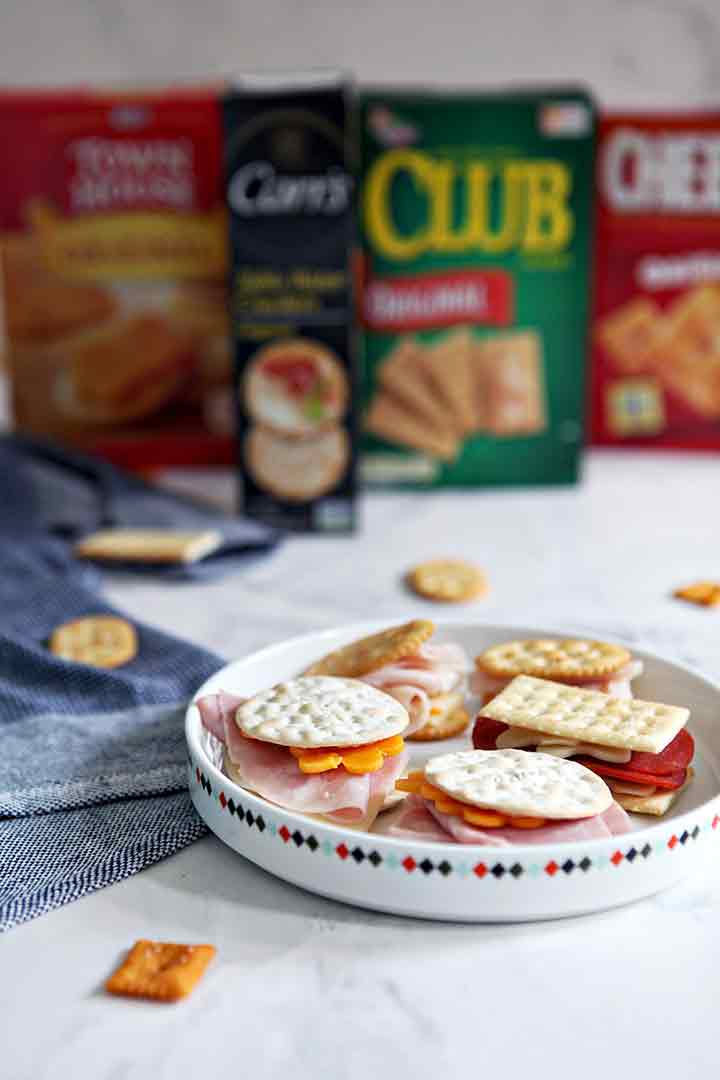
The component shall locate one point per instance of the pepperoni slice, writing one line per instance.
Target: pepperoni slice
(486, 731)
(669, 781)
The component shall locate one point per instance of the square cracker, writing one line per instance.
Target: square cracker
(390, 419)
(148, 545)
(160, 970)
(586, 715)
(687, 359)
(510, 370)
(447, 365)
(402, 373)
(630, 335)
(656, 804)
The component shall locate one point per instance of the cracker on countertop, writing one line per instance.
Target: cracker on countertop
(104, 641)
(149, 545)
(447, 580)
(160, 970)
(702, 593)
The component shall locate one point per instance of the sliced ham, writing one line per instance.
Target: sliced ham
(430, 671)
(273, 772)
(486, 687)
(418, 819)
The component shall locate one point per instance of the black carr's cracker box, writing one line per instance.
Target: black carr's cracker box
(288, 170)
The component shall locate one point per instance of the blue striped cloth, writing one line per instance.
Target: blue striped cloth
(93, 767)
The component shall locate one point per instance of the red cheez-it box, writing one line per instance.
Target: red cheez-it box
(656, 326)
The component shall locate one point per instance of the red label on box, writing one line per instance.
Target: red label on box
(425, 301)
(656, 325)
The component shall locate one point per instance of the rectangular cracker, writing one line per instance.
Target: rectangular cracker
(160, 970)
(630, 335)
(657, 804)
(447, 365)
(512, 391)
(402, 374)
(390, 419)
(587, 715)
(148, 545)
(688, 357)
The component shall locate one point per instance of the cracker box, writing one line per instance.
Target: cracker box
(290, 194)
(114, 256)
(476, 230)
(656, 321)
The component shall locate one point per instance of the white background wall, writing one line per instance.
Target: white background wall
(633, 52)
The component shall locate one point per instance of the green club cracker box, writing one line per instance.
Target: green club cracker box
(474, 285)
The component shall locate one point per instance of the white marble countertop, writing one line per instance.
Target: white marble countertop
(309, 989)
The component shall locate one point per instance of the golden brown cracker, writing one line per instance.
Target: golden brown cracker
(630, 335)
(447, 364)
(148, 545)
(447, 580)
(104, 641)
(656, 804)
(401, 372)
(375, 651)
(160, 970)
(557, 659)
(513, 384)
(297, 469)
(688, 356)
(703, 593)
(389, 418)
(318, 401)
(441, 727)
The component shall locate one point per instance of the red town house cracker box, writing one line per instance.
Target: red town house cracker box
(113, 237)
(656, 326)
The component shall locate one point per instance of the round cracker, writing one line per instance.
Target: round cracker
(321, 711)
(520, 783)
(272, 405)
(373, 652)
(441, 727)
(449, 581)
(559, 659)
(104, 641)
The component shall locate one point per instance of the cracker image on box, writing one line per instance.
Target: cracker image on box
(630, 334)
(295, 386)
(687, 359)
(297, 469)
(476, 236)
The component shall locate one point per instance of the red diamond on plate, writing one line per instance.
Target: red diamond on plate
(409, 863)
(552, 868)
(672, 842)
(222, 800)
(716, 821)
(342, 851)
(480, 869)
(285, 833)
(617, 858)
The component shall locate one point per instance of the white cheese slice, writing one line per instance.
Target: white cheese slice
(518, 738)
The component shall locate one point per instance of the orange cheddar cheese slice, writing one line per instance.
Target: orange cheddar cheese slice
(416, 783)
(356, 759)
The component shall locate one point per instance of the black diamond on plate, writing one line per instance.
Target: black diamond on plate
(249, 818)
(445, 868)
(685, 837)
(645, 851)
(498, 870)
(585, 864)
(568, 866)
(209, 787)
(358, 854)
(260, 822)
(312, 843)
(375, 858)
(695, 833)
(240, 812)
(631, 855)
(427, 867)
(231, 806)
(516, 870)
(298, 838)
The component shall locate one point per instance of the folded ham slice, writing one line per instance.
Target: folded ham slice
(486, 687)
(430, 671)
(418, 819)
(272, 771)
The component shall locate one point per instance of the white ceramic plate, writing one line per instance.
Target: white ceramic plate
(458, 881)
